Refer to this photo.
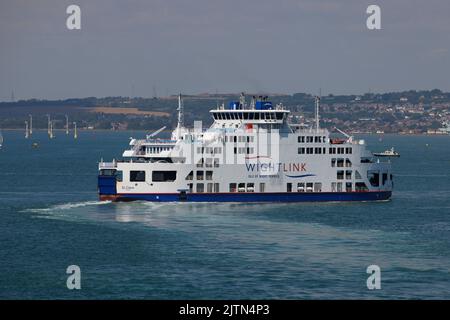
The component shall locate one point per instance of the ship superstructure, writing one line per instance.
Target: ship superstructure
(251, 153)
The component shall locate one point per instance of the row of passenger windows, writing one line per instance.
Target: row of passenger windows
(335, 187)
(208, 162)
(347, 174)
(312, 139)
(334, 150)
(323, 150)
(199, 175)
(239, 139)
(200, 187)
(311, 150)
(305, 187)
(341, 162)
(237, 150)
(248, 115)
(157, 176)
(339, 187)
(232, 187)
(158, 149)
(243, 150)
(300, 187)
(209, 150)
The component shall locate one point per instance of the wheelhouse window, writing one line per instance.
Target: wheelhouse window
(209, 175)
(164, 176)
(199, 175)
(200, 187)
(340, 175)
(233, 187)
(137, 176)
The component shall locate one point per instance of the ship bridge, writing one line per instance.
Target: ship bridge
(260, 111)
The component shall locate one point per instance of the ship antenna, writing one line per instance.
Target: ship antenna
(317, 113)
(180, 112)
(177, 133)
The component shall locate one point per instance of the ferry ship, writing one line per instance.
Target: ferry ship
(251, 153)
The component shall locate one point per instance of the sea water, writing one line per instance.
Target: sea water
(50, 218)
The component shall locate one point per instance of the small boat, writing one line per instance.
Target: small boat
(387, 153)
(35, 145)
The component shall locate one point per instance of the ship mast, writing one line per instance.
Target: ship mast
(180, 112)
(180, 123)
(317, 103)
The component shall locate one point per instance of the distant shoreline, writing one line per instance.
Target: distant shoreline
(168, 131)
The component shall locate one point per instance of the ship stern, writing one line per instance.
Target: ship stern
(107, 181)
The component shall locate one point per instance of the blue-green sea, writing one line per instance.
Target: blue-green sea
(50, 218)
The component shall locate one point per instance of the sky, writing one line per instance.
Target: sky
(139, 47)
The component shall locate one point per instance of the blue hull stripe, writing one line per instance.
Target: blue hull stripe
(256, 197)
